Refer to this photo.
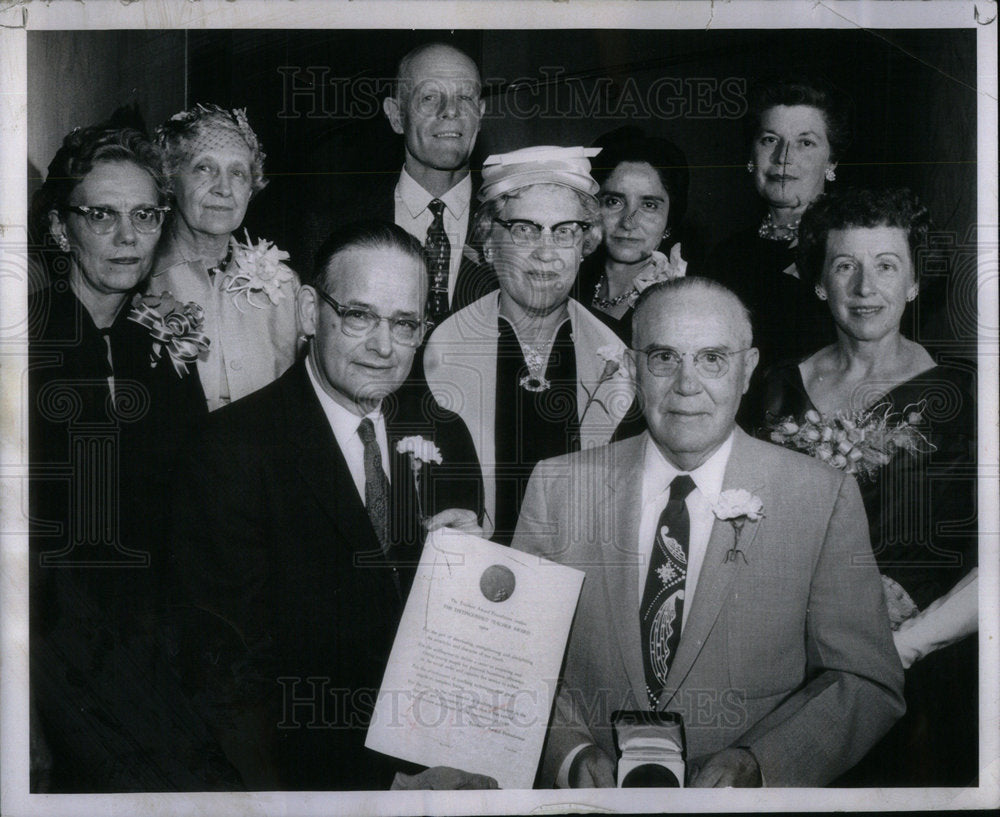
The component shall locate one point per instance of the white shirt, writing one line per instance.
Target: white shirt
(412, 214)
(657, 474)
(344, 424)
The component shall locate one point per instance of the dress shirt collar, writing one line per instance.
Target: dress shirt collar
(416, 199)
(343, 422)
(658, 473)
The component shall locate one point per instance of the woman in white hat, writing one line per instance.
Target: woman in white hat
(528, 368)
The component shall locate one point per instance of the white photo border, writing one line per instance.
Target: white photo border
(17, 18)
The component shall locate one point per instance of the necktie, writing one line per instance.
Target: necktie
(662, 606)
(376, 484)
(437, 255)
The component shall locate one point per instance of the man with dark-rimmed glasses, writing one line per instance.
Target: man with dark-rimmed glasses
(299, 525)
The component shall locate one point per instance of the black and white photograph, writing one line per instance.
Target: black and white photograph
(436, 407)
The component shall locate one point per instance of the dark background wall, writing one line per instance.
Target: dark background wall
(314, 98)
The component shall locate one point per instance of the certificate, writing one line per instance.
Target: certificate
(473, 669)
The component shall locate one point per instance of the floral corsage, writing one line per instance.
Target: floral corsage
(258, 272)
(738, 506)
(858, 443)
(421, 450)
(659, 268)
(614, 369)
(173, 326)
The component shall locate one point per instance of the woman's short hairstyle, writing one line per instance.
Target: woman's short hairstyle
(630, 144)
(855, 207)
(482, 220)
(837, 108)
(177, 133)
(83, 148)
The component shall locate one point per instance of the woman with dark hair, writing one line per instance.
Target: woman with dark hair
(215, 166)
(875, 404)
(797, 131)
(642, 200)
(113, 389)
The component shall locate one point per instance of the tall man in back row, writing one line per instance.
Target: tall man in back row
(436, 107)
(764, 625)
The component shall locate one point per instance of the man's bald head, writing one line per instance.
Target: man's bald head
(436, 106)
(694, 366)
(432, 59)
(727, 300)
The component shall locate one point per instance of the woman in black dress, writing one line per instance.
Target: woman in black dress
(113, 389)
(797, 130)
(876, 403)
(643, 197)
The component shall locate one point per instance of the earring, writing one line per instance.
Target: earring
(912, 296)
(666, 234)
(830, 174)
(820, 294)
(751, 167)
(63, 242)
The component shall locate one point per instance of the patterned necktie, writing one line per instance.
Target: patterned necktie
(376, 484)
(437, 254)
(662, 607)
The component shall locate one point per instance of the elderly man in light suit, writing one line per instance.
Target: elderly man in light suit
(766, 631)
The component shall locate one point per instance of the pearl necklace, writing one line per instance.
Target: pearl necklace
(609, 303)
(778, 232)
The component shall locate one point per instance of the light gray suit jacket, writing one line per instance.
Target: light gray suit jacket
(786, 649)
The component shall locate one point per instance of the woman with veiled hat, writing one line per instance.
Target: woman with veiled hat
(531, 372)
(215, 166)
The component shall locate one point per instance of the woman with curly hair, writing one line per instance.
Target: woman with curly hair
(215, 166)
(113, 391)
(875, 403)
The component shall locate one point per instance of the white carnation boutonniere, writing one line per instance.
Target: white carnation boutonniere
(421, 451)
(658, 268)
(738, 506)
(614, 369)
(173, 326)
(258, 275)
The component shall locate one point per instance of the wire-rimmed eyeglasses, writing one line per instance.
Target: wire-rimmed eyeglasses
(103, 220)
(358, 322)
(525, 233)
(662, 361)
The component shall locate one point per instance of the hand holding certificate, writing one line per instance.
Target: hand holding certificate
(473, 669)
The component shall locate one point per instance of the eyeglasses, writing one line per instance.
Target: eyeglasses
(103, 220)
(356, 322)
(662, 361)
(526, 233)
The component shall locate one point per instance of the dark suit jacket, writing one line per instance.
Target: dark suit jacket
(785, 649)
(293, 605)
(371, 194)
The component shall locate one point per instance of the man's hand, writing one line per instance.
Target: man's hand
(458, 518)
(728, 768)
(442, 778)
(592, 769)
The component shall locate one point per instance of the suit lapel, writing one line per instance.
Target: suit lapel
(321, 464)
(624, 502)
(404, 527)
(718, 571)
